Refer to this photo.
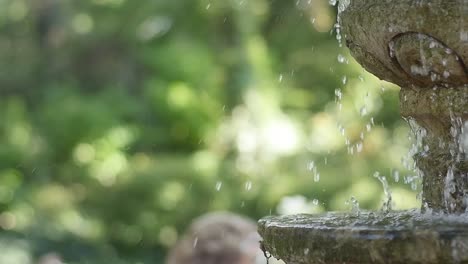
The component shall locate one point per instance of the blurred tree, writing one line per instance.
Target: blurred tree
(123, 120)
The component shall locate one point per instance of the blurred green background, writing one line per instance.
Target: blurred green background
(123, 120)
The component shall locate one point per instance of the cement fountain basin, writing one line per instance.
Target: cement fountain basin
(422, 46)
(367, 237)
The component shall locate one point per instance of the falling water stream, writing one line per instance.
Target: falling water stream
(433, 98)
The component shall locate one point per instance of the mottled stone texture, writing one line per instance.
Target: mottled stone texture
(441, 114)
(421, 46)
(398, 237)
(371, 27)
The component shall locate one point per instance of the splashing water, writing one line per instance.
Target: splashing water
(387, 205)
(315, 202)
(354, 205)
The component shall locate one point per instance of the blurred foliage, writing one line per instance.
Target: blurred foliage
(123, 120)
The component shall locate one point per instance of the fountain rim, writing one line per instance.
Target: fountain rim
(412, 220)
(308, 240)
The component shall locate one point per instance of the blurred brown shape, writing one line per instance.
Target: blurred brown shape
(218, 238)
(50, 258)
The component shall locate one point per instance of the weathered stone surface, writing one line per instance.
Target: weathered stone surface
(421, 46)
(372, 28)
(442, 113)
(397, 237)
(427, 61)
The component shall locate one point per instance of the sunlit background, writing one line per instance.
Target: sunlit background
(123, 120)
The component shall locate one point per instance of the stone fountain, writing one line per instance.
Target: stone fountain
(422, 46)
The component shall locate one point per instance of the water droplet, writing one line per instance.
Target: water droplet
(354, 204)
(341, 58)
(317, 177)
(342, 131)
(338, 94)
(363, 111)
(359, 147)
(195, 242)
(344, 80)
(414, 185)
(396, 175)
(351, 150)
(218, 186)
(248, 185)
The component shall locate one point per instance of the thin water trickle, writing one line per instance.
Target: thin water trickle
(449, 189)
(423, 146)
(311, 166)
(387, 205)
(338, 34)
